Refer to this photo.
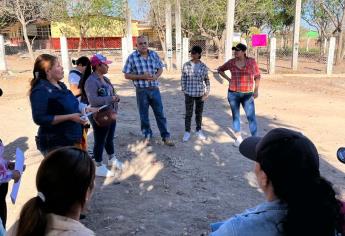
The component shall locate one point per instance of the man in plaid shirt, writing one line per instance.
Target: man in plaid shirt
(196, 86)
(144, 67)
(243, 88)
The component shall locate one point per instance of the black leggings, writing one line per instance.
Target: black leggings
(3, 206)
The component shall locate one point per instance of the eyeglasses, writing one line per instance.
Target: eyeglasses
(143, 43)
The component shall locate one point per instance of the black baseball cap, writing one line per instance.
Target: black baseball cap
(283, 150)
(240, 47)
(196, 49)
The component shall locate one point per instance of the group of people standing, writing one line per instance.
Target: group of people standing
(299, 201)
(61, 113)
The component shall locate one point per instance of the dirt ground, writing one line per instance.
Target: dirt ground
(180, 190)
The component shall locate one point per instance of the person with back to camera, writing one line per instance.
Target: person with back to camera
(64, 181)
(299, 201)
(54, 108)
(81, 70)
(243, 89)
(77, 78)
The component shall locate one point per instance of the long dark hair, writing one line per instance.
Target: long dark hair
(63, 178)
(43, 63)
(313, 208)
(84, 61)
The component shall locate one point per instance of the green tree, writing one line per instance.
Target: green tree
(335, 9)
(25, 12)
(85, 14)
(316, 16)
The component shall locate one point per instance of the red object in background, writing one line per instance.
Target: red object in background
(91, 43)
(259, 40)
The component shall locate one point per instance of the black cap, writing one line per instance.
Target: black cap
(282, 149)
(240, 47)
(196, 49)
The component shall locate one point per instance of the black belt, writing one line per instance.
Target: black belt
(150, 88)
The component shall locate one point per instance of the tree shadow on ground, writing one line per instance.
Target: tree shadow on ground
(178, 190)
(10, 148)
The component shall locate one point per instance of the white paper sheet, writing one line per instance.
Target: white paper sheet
(18, 166)
(84, 117)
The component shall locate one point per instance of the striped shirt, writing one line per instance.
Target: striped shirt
(242, 79)
(138, 65)
(194, 79)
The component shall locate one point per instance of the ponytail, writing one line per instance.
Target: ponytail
(33, 218)
(63, 180)
(74, 62)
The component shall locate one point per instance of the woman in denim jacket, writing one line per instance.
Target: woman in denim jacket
(300, 202)
(99, 92)
(54, 108)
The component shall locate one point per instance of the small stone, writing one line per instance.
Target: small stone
(120, 218)
(211, 216)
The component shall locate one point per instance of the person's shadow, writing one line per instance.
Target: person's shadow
(10, 148)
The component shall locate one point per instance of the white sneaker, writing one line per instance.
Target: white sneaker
(200, 135)
(238, 141)
(102, 171)
(186, 136)
(116, 163)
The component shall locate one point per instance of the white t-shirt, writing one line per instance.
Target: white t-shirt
(74, 78)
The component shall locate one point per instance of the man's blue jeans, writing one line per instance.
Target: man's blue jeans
(151, 97)
(247, 100)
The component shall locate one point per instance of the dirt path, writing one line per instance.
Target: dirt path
(180, 190)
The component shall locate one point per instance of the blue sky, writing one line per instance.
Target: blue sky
(138, 12)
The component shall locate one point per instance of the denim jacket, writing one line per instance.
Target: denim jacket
(48, 101)
(263, 220)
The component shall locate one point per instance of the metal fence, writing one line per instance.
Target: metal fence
(312, 53)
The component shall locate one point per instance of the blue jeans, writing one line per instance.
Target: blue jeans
(247, 101)
(151, 97)
(103, 138)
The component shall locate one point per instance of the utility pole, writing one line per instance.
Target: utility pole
(168, 36)
(296, 35)
(3, 66)
(129, 29)
(229, 29)
(178, 35)
(66, 62)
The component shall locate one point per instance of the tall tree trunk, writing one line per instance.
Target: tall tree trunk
(81, 36)
(27, 41)
(161, 36)
(218, 44)
(343, 51)
(339, 46)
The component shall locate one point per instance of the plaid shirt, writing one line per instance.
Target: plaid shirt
(194, 79)
(242, 79)
(138, 65)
